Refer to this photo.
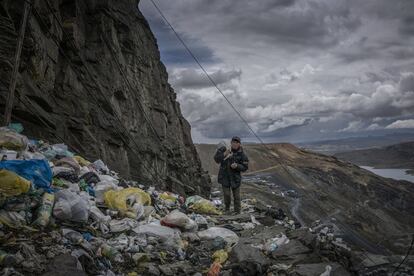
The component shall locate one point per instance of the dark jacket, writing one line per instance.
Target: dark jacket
(227, 176)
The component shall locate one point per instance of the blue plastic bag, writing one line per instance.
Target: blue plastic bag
(36, 171)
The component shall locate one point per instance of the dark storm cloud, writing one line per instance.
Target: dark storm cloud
(172, 51)
(191, 78)
(311, 68)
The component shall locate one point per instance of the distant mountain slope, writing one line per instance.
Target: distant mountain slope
(380, 209)
(357, 143)
(394, 156)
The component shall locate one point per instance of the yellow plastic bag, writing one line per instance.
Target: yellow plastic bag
(167, 196)
(82, 161)
(12, 184)
(220, 256)
(206, 207)
(118, 199)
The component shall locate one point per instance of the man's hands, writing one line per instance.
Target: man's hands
(234, 166)
(227, 152)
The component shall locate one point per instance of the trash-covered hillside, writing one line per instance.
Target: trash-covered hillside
(64, 215)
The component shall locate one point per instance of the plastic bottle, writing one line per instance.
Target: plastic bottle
(45, 211)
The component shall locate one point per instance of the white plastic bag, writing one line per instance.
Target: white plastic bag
(101, 188)
(167, 235)
(179, 220)
(100, 220)
(125, 224)
(213, 232)
(71, 207)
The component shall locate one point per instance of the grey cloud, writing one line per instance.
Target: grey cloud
(362, 51)
(191, 78)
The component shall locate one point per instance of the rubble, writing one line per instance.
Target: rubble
(64, 215)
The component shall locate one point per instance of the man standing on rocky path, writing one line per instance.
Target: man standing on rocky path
(232, 162)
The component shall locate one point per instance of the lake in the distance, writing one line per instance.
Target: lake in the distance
(398, 174)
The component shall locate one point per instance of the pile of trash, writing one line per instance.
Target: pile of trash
(64, 215)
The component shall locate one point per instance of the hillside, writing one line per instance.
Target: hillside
(394, 156)
(357, 143)
(369, 206)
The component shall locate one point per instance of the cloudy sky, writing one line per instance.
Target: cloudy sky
(298, 70)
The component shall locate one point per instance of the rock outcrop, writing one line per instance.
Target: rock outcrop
(91, 72)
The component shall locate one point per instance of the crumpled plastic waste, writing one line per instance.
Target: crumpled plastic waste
(211, 233)
(12, 219)
(36, 171)
(123, 225)
(99, 165)
(179, 220)
(81, 161)
(165, 234)
(274, 243)
(68, 162)
(12, 140)
(201, 205)
(45, 210)
(129, 202)
(12, 184)
(70, 206)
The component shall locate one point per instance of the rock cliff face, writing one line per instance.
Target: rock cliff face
(91, 76)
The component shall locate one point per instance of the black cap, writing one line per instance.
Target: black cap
(236, 138)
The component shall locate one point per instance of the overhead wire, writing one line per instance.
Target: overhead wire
(197, 61)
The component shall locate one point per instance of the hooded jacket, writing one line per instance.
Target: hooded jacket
(227, 176)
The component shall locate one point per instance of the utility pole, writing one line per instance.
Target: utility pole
(12, 87)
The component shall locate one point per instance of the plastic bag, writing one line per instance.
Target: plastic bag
(68, 162)
(123, 225)
(165, 234)
(108, 178)
(12, 185)
(99, 165)
(8, 154)
(12, 219)
(124, 201)
(16, 127)
(201, 205)
(37, 171)
(220, 256)
(81, 161)
(12, 140)
(28, 155)
(62, 150)
(97, 215)
(101, 188)
(59, 169)
(205, 206)
(215, 269)
(211, 233)
(168, 196)
(71, 207)
(179, 220)
(45, 210)
(273, 244)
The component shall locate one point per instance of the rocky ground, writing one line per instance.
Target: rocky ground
(64, 215)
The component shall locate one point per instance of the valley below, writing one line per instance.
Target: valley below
(371, 213)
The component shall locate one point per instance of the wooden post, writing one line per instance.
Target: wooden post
(12, 87)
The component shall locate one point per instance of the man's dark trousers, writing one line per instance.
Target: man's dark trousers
(227, 191)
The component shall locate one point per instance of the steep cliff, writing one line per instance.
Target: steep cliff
(91, 76)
